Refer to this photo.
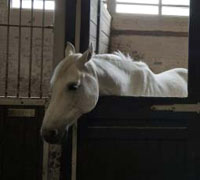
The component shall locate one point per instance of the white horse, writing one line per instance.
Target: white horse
(79, 80)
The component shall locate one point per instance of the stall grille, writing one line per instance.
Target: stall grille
(26, 48)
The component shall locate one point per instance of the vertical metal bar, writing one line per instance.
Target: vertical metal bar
(194, 46)
(7, 50)
(111, 6)
(74, 151)
(42, 48)
(62, 28)
(98, 26)
(19, 50)
(45, 161)
(77, 25)
(31, 50)
(85, 25)
(160, 7)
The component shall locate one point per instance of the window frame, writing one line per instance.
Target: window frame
(42, 8)
(193, 65)
(159, 5)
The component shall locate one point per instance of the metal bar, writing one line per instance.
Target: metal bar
(150, 33)
(42, 48)
(194, 46)
(45, 161)
(142, 4)
(170, 5)
(98, 26)
(31, 50)
(62, 26)
(111, 6)
(74, 151)
(19, 50)
(7, 50)
(85, 24)
(148, 4)
(26, 26)
(160, 7)
(139, 127)
(78, 25)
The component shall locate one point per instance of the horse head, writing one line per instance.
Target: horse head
(75, 91)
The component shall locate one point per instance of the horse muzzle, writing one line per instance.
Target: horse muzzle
(52, 136)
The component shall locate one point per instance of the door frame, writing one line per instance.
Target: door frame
(105, 105)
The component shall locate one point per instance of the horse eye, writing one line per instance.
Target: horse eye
(73, 86)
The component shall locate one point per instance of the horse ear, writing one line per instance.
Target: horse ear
(87, 55)
(70, 49)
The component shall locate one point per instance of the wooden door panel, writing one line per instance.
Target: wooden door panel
(137, 145)
(22, 146)
(129, 160)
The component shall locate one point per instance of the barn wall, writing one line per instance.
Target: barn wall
(162, 42)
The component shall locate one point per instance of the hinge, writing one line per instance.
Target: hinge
(177, 108)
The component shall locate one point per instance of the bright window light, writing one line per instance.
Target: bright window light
(154, 7)
(37, 4)
(175, 11)
(136, 9)
(139, 1)
(176, 2)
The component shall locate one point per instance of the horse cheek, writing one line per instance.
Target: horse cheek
(90, 95)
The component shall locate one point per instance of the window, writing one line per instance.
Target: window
(154, 7)
(37, 4)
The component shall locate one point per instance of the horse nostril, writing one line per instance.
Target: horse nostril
(51, 136)
(53, 133)
(49, 133)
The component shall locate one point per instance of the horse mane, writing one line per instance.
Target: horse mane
(118, 56)
(114, 57)
(129, 58)
(122, 56)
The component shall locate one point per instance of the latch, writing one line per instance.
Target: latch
(177, 108)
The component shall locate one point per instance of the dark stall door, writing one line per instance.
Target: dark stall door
(138, 146)
(20, 143)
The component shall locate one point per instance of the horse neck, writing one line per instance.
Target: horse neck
(116, 77)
